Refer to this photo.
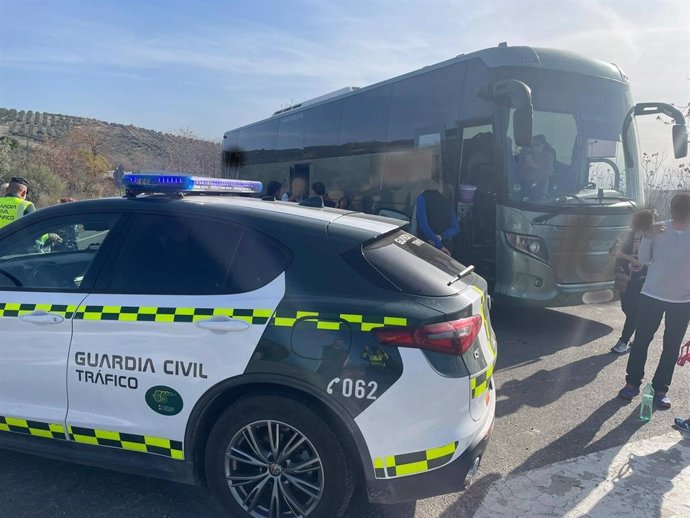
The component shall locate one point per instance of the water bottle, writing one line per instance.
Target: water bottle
(647, 405)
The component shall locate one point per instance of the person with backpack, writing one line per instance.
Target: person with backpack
(436, 221)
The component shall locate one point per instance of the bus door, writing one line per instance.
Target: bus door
(477, 207)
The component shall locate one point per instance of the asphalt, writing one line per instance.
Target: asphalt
(556, 383)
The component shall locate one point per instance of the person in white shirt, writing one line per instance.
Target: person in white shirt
(665, 294)
(296, 193)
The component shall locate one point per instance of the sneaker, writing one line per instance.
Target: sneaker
(629, 391)
(682, 424)
(620, 348)
(662, 401)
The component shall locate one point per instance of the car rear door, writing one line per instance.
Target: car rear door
(45, 270)
(183, 308)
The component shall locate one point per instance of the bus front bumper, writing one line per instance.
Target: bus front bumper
(555, 295)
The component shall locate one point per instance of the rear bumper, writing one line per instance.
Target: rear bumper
(450, 478)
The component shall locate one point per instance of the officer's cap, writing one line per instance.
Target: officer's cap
(20, 180)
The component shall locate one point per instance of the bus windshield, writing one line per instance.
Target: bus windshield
(576, 154)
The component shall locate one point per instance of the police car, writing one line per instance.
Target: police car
(279, 354)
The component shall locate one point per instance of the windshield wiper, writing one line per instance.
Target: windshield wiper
(619, 198)
(564, 197)
(462, 274)
(546, 217)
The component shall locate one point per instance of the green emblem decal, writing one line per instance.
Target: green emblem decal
(164, 400)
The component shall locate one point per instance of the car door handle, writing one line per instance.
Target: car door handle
(223, 324)
(42, 318)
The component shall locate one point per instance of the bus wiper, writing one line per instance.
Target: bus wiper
(619, 198)
(546, 217)
(462, 274)
(564, 197)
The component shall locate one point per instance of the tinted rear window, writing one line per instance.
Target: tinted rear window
(186, 255)
(414, 266)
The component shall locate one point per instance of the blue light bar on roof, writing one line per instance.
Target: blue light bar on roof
(167, 182)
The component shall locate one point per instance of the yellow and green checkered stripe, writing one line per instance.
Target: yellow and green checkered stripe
(166, 314)
(484, 309)
(13, 309)
(34, 428)
(169, 314)
(328, 322)
(413, 463)
(479, 384)
(126, 441)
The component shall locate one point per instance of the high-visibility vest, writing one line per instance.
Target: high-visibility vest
(11, 208)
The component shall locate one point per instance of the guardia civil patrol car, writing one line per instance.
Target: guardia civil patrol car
(279, 354)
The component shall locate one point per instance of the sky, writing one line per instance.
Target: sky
(213, 66)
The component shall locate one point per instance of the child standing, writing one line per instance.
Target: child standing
(630, 276)
(665, 295)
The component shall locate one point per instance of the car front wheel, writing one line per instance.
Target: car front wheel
(273, 457)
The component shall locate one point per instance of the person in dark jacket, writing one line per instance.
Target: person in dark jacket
(272, 191)
(320, 190)
(436, 221)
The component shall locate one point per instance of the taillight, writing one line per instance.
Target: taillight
(454, 337)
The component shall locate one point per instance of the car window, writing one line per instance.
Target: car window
(53, 254)
(176, 254)
(414, 266)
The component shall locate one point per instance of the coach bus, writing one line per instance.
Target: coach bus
(470, 121)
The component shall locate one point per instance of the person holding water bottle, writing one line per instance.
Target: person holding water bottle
(665, 294)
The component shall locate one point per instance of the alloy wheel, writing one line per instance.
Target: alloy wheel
(274, 471)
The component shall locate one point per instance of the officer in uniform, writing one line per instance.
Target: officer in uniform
(13, 205)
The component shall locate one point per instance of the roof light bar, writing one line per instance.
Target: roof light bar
(181, 183)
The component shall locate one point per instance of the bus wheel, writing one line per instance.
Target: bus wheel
(272, 457)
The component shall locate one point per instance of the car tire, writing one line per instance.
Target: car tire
(241, 455)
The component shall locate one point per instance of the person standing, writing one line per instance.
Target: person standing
(536, 166)
(14, 205)
(631, 274)
(436, 221)
(320, 190)
(665, 294)
(296, 194)
(272, 191)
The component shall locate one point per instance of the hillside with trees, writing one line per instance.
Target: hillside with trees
(62, 155)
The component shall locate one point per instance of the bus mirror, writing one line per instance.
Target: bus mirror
(680, 140)
(522, 126)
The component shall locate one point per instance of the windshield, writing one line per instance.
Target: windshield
(576, 154)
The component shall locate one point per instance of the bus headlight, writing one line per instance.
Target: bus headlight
(530, 245)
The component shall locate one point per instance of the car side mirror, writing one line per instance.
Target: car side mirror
(522, 126)
(680, 140)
